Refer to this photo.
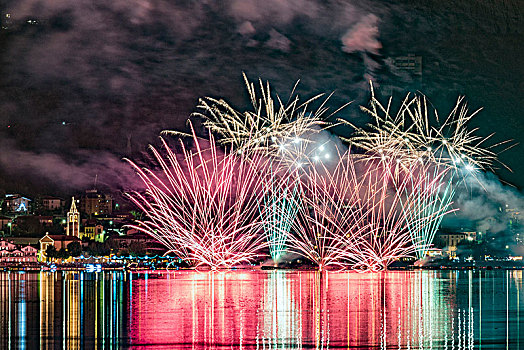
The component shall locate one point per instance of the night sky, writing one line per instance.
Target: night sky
(84, 83)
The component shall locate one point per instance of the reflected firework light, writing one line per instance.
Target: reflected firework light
(204, 206)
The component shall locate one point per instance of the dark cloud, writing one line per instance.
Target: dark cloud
(68, 174)
(94, 81)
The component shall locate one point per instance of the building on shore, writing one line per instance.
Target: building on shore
(13, 253)
(452, 239)
(15, 203)
(52, 203)
(58, 241)
(93, 231)
(96, 203)
(73, 221)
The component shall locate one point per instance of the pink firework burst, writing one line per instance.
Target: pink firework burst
(204, 205)
(354, 215)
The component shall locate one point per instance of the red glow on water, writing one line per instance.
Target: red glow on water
(280, 309)
(261, 309)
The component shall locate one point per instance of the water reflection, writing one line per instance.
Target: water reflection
(262, 310)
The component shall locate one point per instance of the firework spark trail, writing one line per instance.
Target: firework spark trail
(327, 226)
(388, 236)
(204, 206)
(348, 219)
(211, 209)
(268, 125)
(434, 194)
(280, 210)
(412, 135)
(279, 130)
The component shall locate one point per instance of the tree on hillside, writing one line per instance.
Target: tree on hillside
(74, 249)
(51, 252)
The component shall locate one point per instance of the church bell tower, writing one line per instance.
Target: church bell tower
(73, 221)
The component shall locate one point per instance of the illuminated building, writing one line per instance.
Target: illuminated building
(96, 203)
(451, 240)
(11, 253)
(73, 220)
(15, 203)
(93, 230)
(59, 241)
(514, 227)
(132, 237)
(52, 203)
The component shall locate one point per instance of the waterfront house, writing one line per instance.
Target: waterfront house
(11, 253)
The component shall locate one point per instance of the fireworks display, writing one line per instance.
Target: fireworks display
(271, 192)
(280, 207)
(203, 205)
(415, 138)
(269, 127)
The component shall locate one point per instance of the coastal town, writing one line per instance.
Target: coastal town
(93, 229)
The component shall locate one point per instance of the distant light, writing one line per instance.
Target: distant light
(326, 155)
(63, 123)
(296, 140)
(444, 142)
(282, 147)
(429, 149)
(470, 167)
(463, 155)
(273, 138)
(299, 165)
(316, 158)
(321, 148)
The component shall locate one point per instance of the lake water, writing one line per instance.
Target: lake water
(262, 310)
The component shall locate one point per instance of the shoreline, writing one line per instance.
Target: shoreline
(46, 268)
